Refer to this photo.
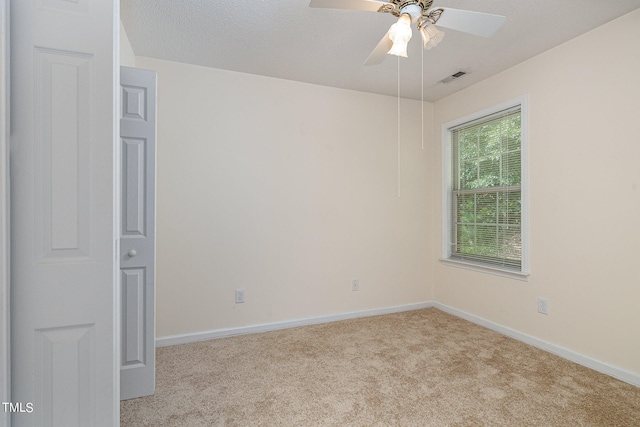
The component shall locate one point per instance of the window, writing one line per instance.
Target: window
(485, 195)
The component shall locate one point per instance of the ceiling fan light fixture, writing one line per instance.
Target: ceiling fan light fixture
(431, 35)
(400, 34)
(425, 36)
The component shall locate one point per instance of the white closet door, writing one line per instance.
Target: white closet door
(137, 231)
(65, 341)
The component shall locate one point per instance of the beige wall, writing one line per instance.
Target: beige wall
(287, 190)
(585, 197)
(127, 56)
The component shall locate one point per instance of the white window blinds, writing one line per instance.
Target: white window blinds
(486, 211)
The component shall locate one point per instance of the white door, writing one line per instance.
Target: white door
(137, 231)
(64, 130)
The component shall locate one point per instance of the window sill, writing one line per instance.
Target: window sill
(518, 275)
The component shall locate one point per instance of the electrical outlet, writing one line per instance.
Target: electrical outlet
(543, 306)
(355, 285)
(239, 296)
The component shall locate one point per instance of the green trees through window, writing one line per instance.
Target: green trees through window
(486, 194)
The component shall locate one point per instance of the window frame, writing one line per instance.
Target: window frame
(447, 190)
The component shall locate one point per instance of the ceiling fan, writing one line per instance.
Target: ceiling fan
(421, 13)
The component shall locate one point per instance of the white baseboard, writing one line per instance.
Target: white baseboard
(597, 365)
(242, 330)
(589, 362)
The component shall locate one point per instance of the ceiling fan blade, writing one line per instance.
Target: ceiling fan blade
(477, 23)
(380, 52)
(370, 5)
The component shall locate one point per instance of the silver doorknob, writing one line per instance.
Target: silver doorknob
(132, 253)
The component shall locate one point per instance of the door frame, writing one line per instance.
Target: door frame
(5, 326)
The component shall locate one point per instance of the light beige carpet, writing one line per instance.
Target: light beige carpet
(417, 368)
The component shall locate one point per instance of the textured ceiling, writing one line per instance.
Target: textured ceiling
(288, 39)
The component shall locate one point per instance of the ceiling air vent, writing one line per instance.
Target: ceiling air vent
(453, 76)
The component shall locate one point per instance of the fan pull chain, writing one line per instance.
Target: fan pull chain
(398, 126)
(422, 95)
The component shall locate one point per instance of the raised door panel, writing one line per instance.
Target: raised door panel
(133, 318)
(66, 387)
(63, 155)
